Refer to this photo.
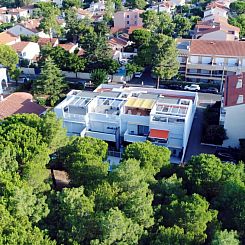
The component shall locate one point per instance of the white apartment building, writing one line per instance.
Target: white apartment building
(232, 113)
(210, 60)
(122, 115)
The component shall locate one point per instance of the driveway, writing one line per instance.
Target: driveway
(194, 146)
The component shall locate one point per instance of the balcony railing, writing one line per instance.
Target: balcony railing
(129, 137)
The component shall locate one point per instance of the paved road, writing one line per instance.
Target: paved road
(194, 146)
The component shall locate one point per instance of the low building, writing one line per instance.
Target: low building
(70, 47)
(8, 38)
(13, 14)
(3, 79)
(121, 115)
(128, 18)
(210, 61)
(162, 7)
(48, 41)
(28, 28)
(18, 103)
(27, 50)
(211, 30)
(232, 113)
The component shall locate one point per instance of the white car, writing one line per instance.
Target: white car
(192, 87)
(138, 74)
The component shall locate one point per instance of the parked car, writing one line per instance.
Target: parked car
(211, 90)
(175, 86)
(138, 74)
(192, 87)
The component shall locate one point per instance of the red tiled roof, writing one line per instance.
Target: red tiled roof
(117, 41)
(19, 103)
(7, 37)
(159, 134)
(67, 46)
(224, 48)
(44, 41)
(18, 47)
(216, 4)
(231, 93)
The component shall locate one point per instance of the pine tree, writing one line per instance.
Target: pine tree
(51, 81)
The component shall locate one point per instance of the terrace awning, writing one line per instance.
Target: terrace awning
(140, 103)
(159, 134)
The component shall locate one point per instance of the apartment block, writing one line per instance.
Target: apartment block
(210, 61)
(232, 112)
(128, 18)
(122, 115)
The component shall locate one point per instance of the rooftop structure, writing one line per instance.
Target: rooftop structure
(120, 115)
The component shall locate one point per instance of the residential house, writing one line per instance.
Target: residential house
(70, 47)
(211, 30)
(45, 41)
(97, 8)
(7, 15)
(232, 113)
(27, 50)
(121, 115)
(162, 7)
(7, 38)
(215, 9)
(83, 13)
(28, 28)
(210, 61)
(19, 103)
(128, 18)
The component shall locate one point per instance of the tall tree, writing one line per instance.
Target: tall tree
(71, 3)
(165, 63)
(139, 4)
(140, 37)
(152, 158)
(8, 57)
(182, 25)
(150, 20)
(51, 81)
(99, 76)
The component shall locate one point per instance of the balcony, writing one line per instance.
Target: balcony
(101, 135)
(134, 137)
(74, 117)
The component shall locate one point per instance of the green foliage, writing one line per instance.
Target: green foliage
(32, 38)
(83, 160)
(183, 25)
(170, 236)
(71, 3)
(239, 21)
(231, 203)
(238, 7)
(132, 67)
(140, 37)
(192, 214)
(214, 134)
(8, 57)
(139, 4)
(152, 158)
(203, 174)
(5, 26)
(98, 77)
(51, 82)
(225, 238)
(49, 23)
(109, 10)
(150, 20)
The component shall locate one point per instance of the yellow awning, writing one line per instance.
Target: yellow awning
(140, 103)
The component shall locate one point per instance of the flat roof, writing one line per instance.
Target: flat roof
(109, 94)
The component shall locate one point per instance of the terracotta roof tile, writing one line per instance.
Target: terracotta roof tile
(224, 48)
(6, 37)
(19, 103)
(19, 47)
(44, 41)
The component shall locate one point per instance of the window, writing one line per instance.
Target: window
(127, 22)
(143, 130)
(135, 16)
(239, 83)
(240, 99)
(128, 16)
